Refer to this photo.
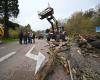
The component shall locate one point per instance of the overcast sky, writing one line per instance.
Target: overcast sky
(62, 9)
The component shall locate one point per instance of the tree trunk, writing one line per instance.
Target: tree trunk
(6, 33)
(6, 19)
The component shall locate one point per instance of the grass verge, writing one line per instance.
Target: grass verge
(7, 40)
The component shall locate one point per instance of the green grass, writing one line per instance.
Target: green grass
(7, 40)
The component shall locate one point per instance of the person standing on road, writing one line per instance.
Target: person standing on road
(30, 35)
(34, 38)
(20, 37)
(25, 37)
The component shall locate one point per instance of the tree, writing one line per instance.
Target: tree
(28, 28)
(89, 13)
(80, 23)
(73, 24)
(8, 9)
(96, 17)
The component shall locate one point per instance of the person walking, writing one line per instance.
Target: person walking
(20, 37)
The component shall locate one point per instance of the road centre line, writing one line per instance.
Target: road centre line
(7, 56)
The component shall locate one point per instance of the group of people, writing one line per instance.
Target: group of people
(26, 37)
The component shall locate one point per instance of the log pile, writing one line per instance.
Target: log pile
(74, 60)
(84, 60)
(55, 48)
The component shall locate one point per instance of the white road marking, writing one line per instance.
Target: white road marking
(39, 58)
(7, 56)
(2, 47)
(79, 52)
(31, 49)
(32, 56)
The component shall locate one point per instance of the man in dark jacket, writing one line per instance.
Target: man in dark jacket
(20, 37)
(25, 36)
(33, 38)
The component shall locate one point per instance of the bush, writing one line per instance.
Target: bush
(14, 33)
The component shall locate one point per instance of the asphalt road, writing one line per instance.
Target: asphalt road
(15, 65)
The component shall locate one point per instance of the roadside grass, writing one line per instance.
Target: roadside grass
(8, 40)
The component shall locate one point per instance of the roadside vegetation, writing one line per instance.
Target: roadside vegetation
(14, 33)
(83, 22)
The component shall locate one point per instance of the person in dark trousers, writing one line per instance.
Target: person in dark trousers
(25, 37)
(33, 38)
(30, 35)
(20, 37)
